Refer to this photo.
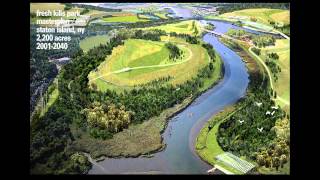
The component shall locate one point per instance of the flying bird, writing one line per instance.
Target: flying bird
(241, 121)
(274, 107)
(272, 113)
(260, 129)
(268, 112)
(258, 104)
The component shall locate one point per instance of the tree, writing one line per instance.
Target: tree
(211, 66)
(256, 50)
(195, 32)
(107, 117)
(274, 56)
(175, 52)
(283, 160)
(276, 162)
(261, 160)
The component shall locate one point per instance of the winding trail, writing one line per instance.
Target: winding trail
(264, 65)
(269, 75)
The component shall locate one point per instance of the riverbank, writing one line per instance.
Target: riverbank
(141, 139)
(207, 146)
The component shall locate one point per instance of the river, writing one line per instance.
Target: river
(179, 155)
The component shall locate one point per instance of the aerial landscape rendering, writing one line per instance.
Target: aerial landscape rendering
(160, 88)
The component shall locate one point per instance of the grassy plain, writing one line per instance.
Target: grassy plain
(263, 15)
(91, 42)
(184, 27)
(129, 19)
(282, 85)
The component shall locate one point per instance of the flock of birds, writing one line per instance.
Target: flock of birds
(267, 113)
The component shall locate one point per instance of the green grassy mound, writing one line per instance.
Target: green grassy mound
(141, 61)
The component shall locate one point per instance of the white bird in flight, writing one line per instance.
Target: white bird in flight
(274, 107)
(268, 112)
(272, 113)
(260, 129)
(258, 104)
(241, 121)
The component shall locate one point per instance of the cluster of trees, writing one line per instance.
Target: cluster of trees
(229, 7)
(143, 24)
(285, 28)
(42, 72)
(190, 39)
(271, 63)
(274, 67)
(194, 28)
(275, 155)
(153, 35)
(107, 117)
(174, 51)
(273, 55)
(263, 40)
(210, 50)
(256, 51)
(157, 82)
(236, 32)
(77, 163)
(244, 139)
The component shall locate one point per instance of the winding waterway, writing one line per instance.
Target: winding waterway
(179, 155)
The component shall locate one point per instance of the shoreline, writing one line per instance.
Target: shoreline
(235, 105)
